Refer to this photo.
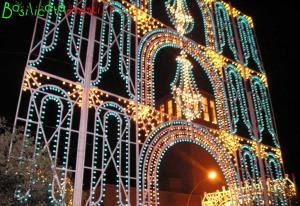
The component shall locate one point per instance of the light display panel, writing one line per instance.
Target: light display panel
(98, 139)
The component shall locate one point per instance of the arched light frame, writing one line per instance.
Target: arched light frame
(275, 172)
(161, 38)
(165, 136)
(48, 44)
(224, 30)
(250, 171)
(273, 166)
(99, 173)
(36, 116)
(249, 168)
(124, 38)
(262, 109)
(237, 99)
(248, 43)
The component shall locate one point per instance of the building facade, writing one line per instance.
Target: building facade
(110, 86)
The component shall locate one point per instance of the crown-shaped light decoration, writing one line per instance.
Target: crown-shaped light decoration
(184, 89)
(180, 16)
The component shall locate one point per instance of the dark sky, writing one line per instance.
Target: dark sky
(275, 24)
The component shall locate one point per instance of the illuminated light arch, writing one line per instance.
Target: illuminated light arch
(141, 159)
(107, 41)
(249, 164)
(148, 49)
(166, 136)
(50, 34)
(74, 37)
(237, 99)
(123, 38)
(248, 43)
(209, 29)
(224, 30)
(38, 105)
(105, 112)
(262, 109)
(274, 168)
(275, 172)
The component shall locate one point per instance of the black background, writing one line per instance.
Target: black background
(277, 31)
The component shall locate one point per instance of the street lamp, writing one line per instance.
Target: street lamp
(212, 175)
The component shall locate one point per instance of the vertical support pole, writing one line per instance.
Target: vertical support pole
(235, 156)
(137, 143)
(20, 94)
(77, 196)
(252, 114)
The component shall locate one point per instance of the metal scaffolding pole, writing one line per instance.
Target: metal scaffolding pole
(77, 197)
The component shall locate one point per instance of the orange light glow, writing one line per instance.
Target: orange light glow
(212, 175)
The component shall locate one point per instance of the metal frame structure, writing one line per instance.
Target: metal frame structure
(122, 134)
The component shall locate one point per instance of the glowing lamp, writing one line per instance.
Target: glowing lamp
(212, 175)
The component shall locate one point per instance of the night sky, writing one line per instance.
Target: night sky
(275, 25)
